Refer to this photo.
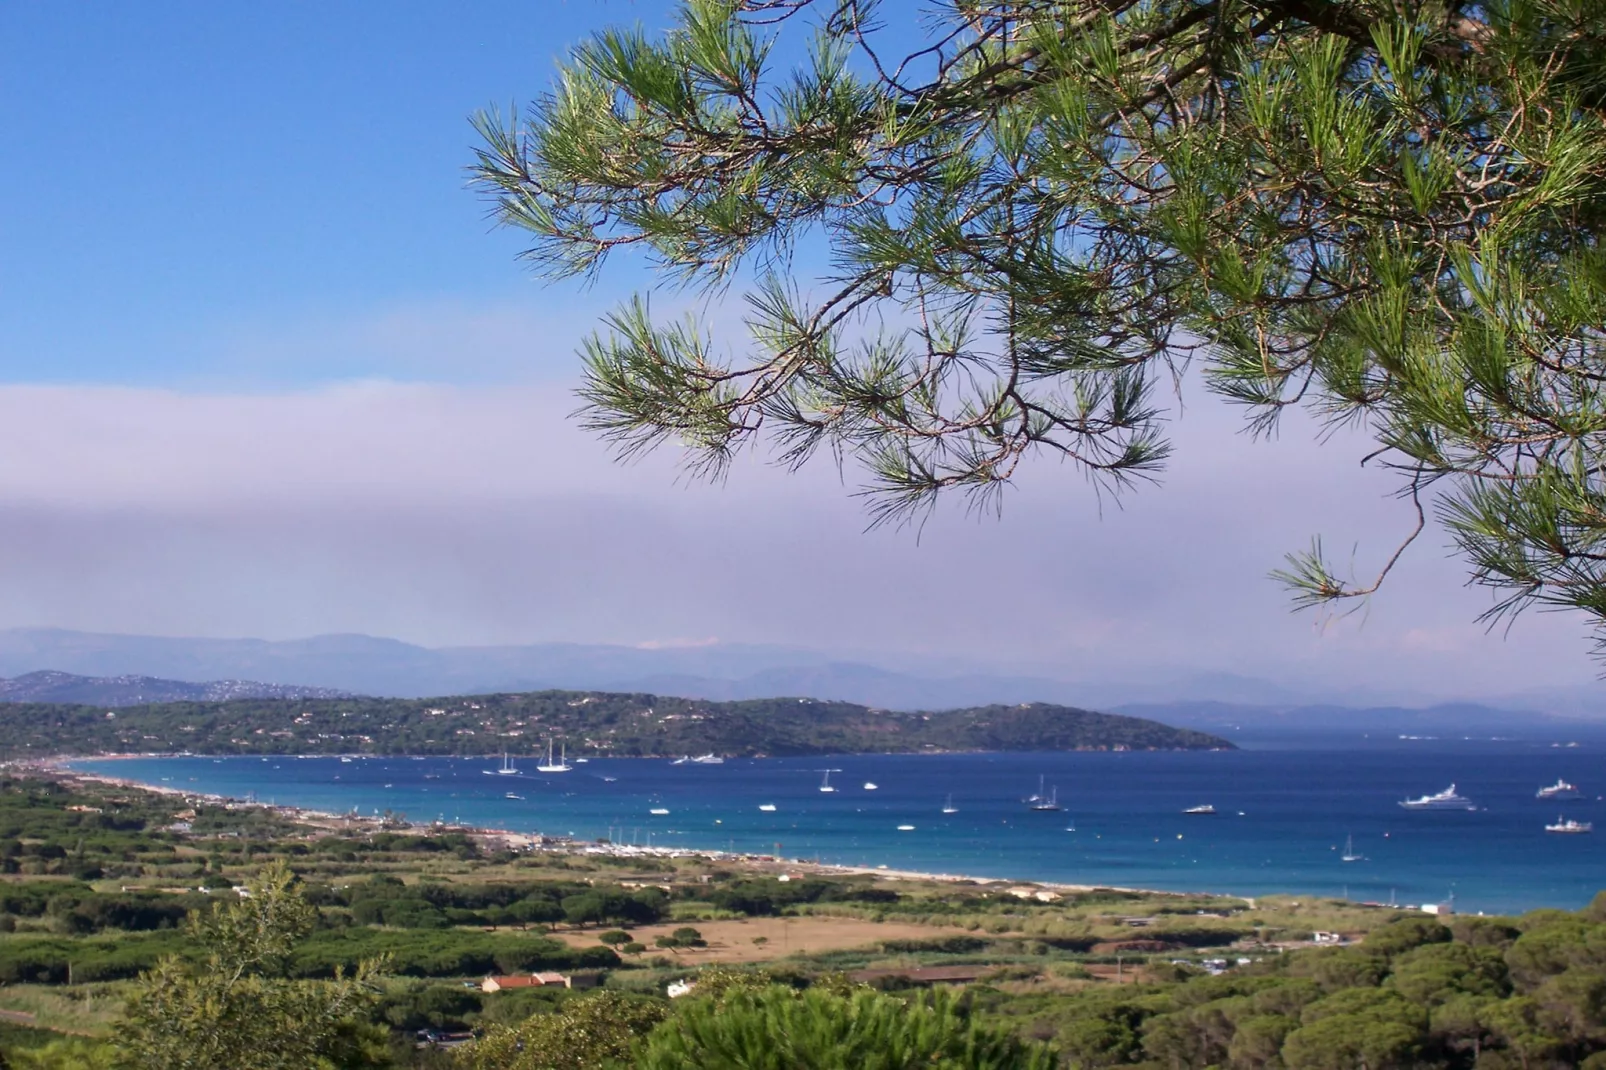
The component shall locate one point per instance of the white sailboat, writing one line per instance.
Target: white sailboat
(560, 766)
(1349, 854)
(825, 784)
(1039, 801)
(948, 806)
(507, 769)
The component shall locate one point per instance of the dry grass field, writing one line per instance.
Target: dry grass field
(733, 941)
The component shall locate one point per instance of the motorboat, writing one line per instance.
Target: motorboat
(768, 808)
(511, 795)
(1559, 790)
(1444, 800)
(659, 810)
(1570, 827)
(708, 759)
(870, 785)
(682, 760)
(1201, 811)
(906, 828)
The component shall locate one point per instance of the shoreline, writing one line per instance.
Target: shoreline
(507, 839)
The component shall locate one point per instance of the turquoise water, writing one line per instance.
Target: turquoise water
(1283, 814)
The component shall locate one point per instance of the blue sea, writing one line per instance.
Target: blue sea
(1284, 810)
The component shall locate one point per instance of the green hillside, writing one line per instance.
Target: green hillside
(600, 723)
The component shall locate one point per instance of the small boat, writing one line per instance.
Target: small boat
(1350, 854)
(906, 828)
(825, 784)
(511, 795)
(948, 806)
(708, 759)
(609, 779)
(1444, 800)
(659, 810)
(1201, 811)
(346, 760)
(1570, 827)
(768, 808)
(682, 760)
(560, 766)
(1559, 790)
(390, 785)
(870, 785)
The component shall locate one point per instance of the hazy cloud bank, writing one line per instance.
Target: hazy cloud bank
(451, 515)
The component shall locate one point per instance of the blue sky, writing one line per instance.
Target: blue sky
(182, 176)
(266, 370)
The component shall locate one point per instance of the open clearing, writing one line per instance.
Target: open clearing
(732, 941)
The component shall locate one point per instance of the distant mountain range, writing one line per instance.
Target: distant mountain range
(390, 668)
(133, 669)
(62, 687)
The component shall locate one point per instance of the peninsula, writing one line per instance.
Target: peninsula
(587, 722)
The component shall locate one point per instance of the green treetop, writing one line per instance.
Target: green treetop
(1035, 211)
(236, 1010)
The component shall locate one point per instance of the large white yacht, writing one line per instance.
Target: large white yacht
(1444, 800)
(1559, 790)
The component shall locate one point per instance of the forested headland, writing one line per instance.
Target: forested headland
(593, 723)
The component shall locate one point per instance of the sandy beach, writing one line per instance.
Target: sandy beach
(506, 839)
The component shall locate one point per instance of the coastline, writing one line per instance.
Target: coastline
(57, 767)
